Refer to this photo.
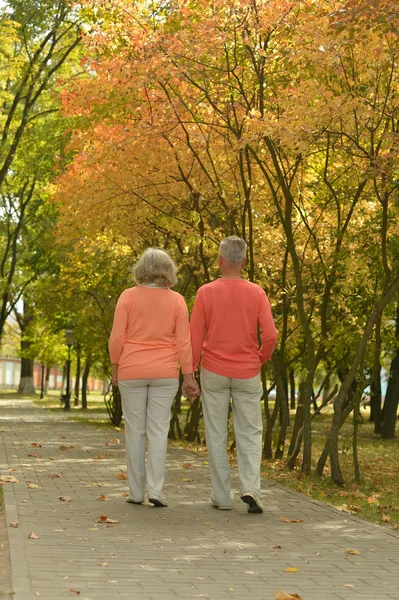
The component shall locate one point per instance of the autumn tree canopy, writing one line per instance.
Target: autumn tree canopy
(273, 120)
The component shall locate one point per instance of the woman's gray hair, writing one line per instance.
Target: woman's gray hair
(233, 249)
(155, 266)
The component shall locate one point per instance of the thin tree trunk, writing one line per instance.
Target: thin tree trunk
(85, 378)
(26, 385)
(47, 380)
(292, 389)
(375, 387)
(77, 380)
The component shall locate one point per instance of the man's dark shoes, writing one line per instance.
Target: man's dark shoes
(158, 503)
(253, 501)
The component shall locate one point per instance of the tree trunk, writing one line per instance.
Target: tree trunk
(292, 389)
(375, 387)
(77, 380)
(47, 380)
(339, 412)
(85, 378)
(26, 385)
(282, 399)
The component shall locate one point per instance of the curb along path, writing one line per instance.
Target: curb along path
(188, 550)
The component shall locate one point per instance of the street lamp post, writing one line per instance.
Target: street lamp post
(69, 340)
(42, 386)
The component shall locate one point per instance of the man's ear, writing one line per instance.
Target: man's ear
(243, 262)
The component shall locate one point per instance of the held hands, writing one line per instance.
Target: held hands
(190, 389)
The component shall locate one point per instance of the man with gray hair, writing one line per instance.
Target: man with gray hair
(224, 327)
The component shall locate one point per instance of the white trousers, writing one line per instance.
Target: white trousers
(146, 407)
(216, 391)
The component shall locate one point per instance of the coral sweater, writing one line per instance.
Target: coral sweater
(224, 328)
(150, 334)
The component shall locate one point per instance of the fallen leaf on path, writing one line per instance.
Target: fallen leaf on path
(13, 524)
(281, 595)
(36, 455)
(74, 591)
(65, 498)
(285, 520)
(62, 437)
(188, 479)
(103, 498)
(36, 445)
(53, 475)
(122, 475)
(32, 486)
(12, 469)
(349, 585)
(103, 564)
(100, 456)
(64, 448)
(106, 519)
(187, 466)
(291, 570)
(205, 523)
(277, 547)
(9, 479)
(125, 494)
(33, 536)
(350, 551)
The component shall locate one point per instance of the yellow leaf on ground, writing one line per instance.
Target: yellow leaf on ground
(32, 486)
(8, 479)
(281, 595)
(121, 475)
(186, 479)
(106, 519)
(285, 520)
(65, 498)
(350, 551)
(291, 570)
(33, 536)
(13, 524)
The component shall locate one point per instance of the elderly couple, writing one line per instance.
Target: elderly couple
(151, 333)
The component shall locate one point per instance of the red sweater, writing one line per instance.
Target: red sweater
(224, 328)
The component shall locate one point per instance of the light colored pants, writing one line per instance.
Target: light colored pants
(146, 407)
(216, 391)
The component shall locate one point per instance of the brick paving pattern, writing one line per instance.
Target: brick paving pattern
(188, 550)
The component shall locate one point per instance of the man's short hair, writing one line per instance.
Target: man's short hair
(155, 267)
(233, 249)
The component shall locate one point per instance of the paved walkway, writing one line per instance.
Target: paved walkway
(189, 550)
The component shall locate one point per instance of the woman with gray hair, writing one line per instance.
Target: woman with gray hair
(150, 335)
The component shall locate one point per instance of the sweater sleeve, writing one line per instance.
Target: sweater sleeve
(117, 337)
(197, 327)
(183, 341)
(269, 332)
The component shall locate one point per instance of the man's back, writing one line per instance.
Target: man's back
(228, 312)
